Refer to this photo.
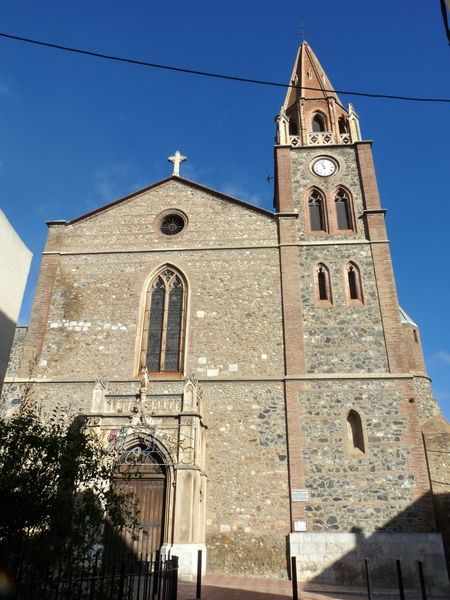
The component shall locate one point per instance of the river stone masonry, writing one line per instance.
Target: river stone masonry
(278, 405)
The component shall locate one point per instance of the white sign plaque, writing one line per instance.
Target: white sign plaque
(300, 495)
(299, 525)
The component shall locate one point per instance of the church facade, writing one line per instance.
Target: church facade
(253, 368)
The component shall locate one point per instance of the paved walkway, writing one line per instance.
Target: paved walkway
(222, 587)
(227, 587)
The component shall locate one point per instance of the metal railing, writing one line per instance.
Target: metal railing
(422, 593)
(94, 578)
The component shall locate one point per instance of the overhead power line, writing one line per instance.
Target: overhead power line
(144, 63)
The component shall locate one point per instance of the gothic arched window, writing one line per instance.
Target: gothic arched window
(323, 284)
(354, 285)
(343, 210)
(164, 323)
(318, 123)
(355, 431)
(316, 208)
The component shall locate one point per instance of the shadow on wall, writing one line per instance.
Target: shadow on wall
(7, 328)
(436, 438)
(442, 504)
(347, 551)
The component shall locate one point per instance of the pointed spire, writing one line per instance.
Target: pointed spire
(312, 113)
(309, 77)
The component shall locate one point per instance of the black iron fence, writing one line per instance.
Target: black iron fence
(96, 578)
(421, 593)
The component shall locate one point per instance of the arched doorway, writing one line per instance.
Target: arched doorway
(142, 472)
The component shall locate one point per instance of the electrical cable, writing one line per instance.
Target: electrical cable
(143, 63)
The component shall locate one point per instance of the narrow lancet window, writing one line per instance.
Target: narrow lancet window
(316, 211)
(343, 211)
(293, 129)
(318, 123)
(323, 284)
(155, 326)
(354, 283)
(343, 125)
(163, 336)
(355, 431)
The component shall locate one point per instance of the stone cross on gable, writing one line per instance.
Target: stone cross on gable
(177, 159)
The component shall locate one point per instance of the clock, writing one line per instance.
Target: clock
(324, 167)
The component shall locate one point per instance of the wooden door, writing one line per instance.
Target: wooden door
(150, 496)
(141, 474)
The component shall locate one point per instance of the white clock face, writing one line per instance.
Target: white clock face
(324, 167)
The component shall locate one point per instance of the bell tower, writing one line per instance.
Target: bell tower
(326, 196)
(354, 369)
(312, 113)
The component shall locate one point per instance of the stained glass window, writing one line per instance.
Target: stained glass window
(164, 323)
(172, 224)
(155, 330)
(173, 327)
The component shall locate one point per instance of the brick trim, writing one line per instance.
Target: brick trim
(284, 200)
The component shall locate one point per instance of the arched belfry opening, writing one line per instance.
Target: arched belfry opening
(343, 125)
(293, 127)
(318, 124)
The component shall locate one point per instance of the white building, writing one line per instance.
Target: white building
(15, 259)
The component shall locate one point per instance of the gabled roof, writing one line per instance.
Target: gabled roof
(308, 73)
(405, 318)
(181, 180)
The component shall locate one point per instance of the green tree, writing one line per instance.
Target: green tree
(55, 487)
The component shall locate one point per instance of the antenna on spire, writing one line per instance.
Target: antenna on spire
(303, 32)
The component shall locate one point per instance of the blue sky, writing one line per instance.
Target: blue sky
(78, 132)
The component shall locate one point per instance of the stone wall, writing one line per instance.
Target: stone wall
(234, 344)
(133, 224)
(248, 497)
(427, 405)
(341, 338)
(303, 179)
(379, 488)
(98, 313)
(436, 435)
(98, 291)
(12, 392)
(339, 558)
(15, 356)
(87, 323)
